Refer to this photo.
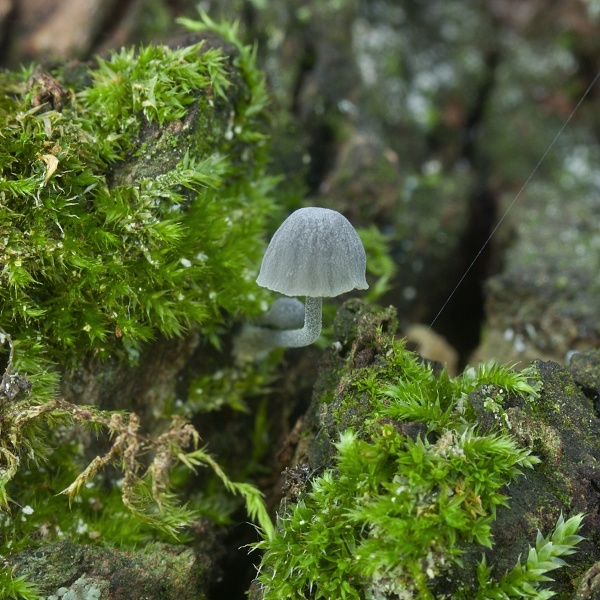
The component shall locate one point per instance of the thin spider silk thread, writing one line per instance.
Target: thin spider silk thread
(515, 199)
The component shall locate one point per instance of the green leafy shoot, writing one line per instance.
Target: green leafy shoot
(523, 383)
(245, 59)
(251, 495)
(154, 80)
(379, 262)
(524, 580)
(16, 588)
(418, 394)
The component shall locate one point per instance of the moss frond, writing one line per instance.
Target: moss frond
(16, 588)
(251, 495)
(523, 580)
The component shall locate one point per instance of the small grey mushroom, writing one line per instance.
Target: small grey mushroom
(315, 253)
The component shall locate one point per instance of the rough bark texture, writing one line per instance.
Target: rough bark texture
(161, 572)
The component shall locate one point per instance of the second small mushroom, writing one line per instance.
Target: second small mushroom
(315, 253)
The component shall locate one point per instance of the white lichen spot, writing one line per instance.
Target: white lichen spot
(185, 262)
(519, 343)
(27, 510)
(432, 167)
(409, 292)
(82, 526)
(347, 107)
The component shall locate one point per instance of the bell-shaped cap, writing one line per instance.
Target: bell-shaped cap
(316, 252)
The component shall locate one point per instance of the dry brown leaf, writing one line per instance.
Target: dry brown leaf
(51, 165)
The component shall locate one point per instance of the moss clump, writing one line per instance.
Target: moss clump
(133, 196)
(69, 571)
(105, 241)
(413, 483)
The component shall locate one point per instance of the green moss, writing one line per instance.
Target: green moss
(107, 240)
(97, 513)
(16, 588)
(70, 571)
(133, 199)
(414, 481)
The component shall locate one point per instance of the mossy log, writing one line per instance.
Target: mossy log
(134, 198)
(357, 506)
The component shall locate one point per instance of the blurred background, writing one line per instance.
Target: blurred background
(425, 123)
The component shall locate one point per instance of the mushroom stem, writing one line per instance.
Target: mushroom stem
(296, 338)
(254, 341)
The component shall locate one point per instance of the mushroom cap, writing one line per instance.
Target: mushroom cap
(315, 252)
